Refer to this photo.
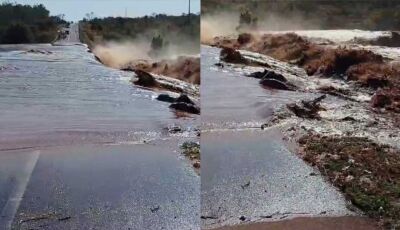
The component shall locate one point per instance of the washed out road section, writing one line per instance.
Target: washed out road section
(252, 176)
(249, 174)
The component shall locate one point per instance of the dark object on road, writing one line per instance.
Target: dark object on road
(242, 218)
(38, 51)
(232, 55)
(174, 129)
(145, 79)
(196, 165)
(220, 64)
(185, 107)
(209, 217)
(166, 98)
(245, 185)
(274, 84)
(64, 218)
(307, 109)
(153, 210)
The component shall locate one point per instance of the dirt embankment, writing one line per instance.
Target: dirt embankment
(131, 56)
(182, 68)
(362, 66)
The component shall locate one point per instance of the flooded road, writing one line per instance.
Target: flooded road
(81, 146)
(249, 174)
(66, 96)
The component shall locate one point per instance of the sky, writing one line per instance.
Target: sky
(75, 10)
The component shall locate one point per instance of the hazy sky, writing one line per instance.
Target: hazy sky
(75, 10)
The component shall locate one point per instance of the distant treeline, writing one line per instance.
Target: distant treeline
(328, 14)
(27, 24)
(172, 29)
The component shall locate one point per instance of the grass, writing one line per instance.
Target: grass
(192, 151)
(366, 172)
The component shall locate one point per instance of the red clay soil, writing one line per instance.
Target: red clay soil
(293, 48)
(311, 223)
(363, 66)
(388, 98)
(183, 68)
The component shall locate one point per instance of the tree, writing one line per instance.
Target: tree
(157, 43)
(17, 33)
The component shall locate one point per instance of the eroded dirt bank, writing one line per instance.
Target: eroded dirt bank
(316, 223)
(355, 104)
(140, 57)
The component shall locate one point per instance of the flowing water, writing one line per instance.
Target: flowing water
(82, 147)
(61, 94)
(249, 174)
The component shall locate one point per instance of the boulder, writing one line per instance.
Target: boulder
(268, 74)
(145, 79)
(185, 107)
(185, 99)
(274, 84)
(381, 100)
(232, 55)
(307, 109)
(166, 98)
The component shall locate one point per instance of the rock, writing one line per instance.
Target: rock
(220, 64)
(268, 74)
(174, 129)
(185, 107)
(245, 185)
(166, 98)
(145, 79)
(388, 98)
(37, 51)
(155, 209)
(307, 109)
(196, 165)
(232, 55)
(392, 41)
(380, 100)
(242, 218)
(185, 99)
(274, 84)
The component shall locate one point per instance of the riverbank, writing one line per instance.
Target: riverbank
(341, 94)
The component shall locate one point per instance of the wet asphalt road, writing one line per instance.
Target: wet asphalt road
(248, 172)
(60, 109)
(141, 186)
(253, 174)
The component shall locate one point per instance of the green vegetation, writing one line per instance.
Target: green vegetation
(160, 28)
(247, 20)
(367, 173)
(192, 151)
(27, 24)
(322, 14)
